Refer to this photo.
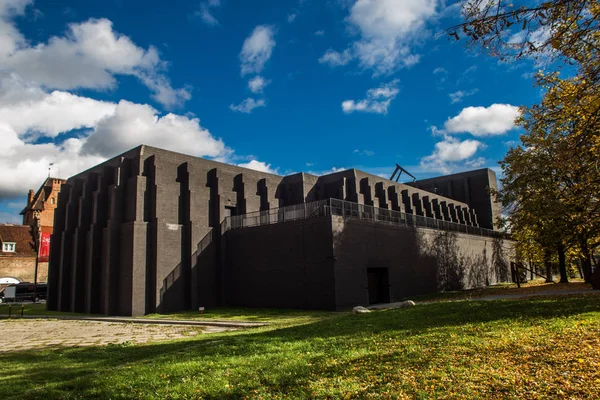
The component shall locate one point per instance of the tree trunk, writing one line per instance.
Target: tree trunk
(562, 264)
(531, 277)
(580, 268)
(586, 262)
(548, 266)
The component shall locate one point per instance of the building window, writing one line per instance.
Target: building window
(52, 200)
(9, 247)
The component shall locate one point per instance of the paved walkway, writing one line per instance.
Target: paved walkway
(27, 334)
(151, 321)
(43, 331)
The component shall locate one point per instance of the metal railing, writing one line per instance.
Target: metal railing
(349, 209)
(361, 211)
(275, 215)
(176, 272)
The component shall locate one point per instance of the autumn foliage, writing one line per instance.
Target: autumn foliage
(551, 184)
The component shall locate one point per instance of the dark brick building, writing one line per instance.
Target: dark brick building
(156, 231)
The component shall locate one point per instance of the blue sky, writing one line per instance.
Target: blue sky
(277, 85)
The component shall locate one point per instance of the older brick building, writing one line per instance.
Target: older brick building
(44, 201)
(17, 254)
(155, 231)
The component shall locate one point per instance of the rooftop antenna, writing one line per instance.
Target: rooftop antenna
(399, 170)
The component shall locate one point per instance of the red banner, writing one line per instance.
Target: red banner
(44, 247)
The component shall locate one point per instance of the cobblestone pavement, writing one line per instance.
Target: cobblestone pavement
(24, 334)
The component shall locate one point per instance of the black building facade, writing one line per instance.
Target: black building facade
(156, 231)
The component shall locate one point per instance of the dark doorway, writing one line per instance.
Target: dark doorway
(379, 286)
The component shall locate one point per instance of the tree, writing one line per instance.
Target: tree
(552, 180)
(562, 30)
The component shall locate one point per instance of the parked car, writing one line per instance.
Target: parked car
(24, 292)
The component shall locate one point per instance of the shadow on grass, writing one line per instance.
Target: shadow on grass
(87, 372)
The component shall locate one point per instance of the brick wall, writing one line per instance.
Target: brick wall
(22, 268)
(415, 258)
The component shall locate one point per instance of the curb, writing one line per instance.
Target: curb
(223, 324)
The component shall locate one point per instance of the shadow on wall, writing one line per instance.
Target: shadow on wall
(177, 293)
(418, 261)
(499, 261)
(451, 267)
(363, 246)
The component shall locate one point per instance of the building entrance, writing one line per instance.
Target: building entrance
(379, 286)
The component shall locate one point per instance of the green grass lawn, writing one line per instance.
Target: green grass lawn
(533, 287)
(273, 316)
(534, 348)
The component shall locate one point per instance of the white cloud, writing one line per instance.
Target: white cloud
(257, 84)
(496, 119)
(476, 163)
(25, 166)
(440, 70)
(291, 17)
(378, 99)
(10, 37)
(319, 33)
(260, 166)
(336, 59)
(248, 105)
(205, 13)
(470, 70)
(388, 29)
(449, 152)
(257, 49)
(133, 124)
(327, 172)
(364, 152)
(27, 109)
(89, 56)
(458, 96)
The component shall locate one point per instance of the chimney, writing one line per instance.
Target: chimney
(30, 197)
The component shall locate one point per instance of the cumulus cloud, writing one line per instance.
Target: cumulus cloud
(388, 29)
(90, 55)
(28, 112)
(496, 119)
(257, 84)
(449, 152)
(248, 105)
(378, 99)
(25, 165)
(257, 49)
(336, 59)
(41, 123)
(260, 166)
(459, 95)
(291, 17)
(133, 124)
